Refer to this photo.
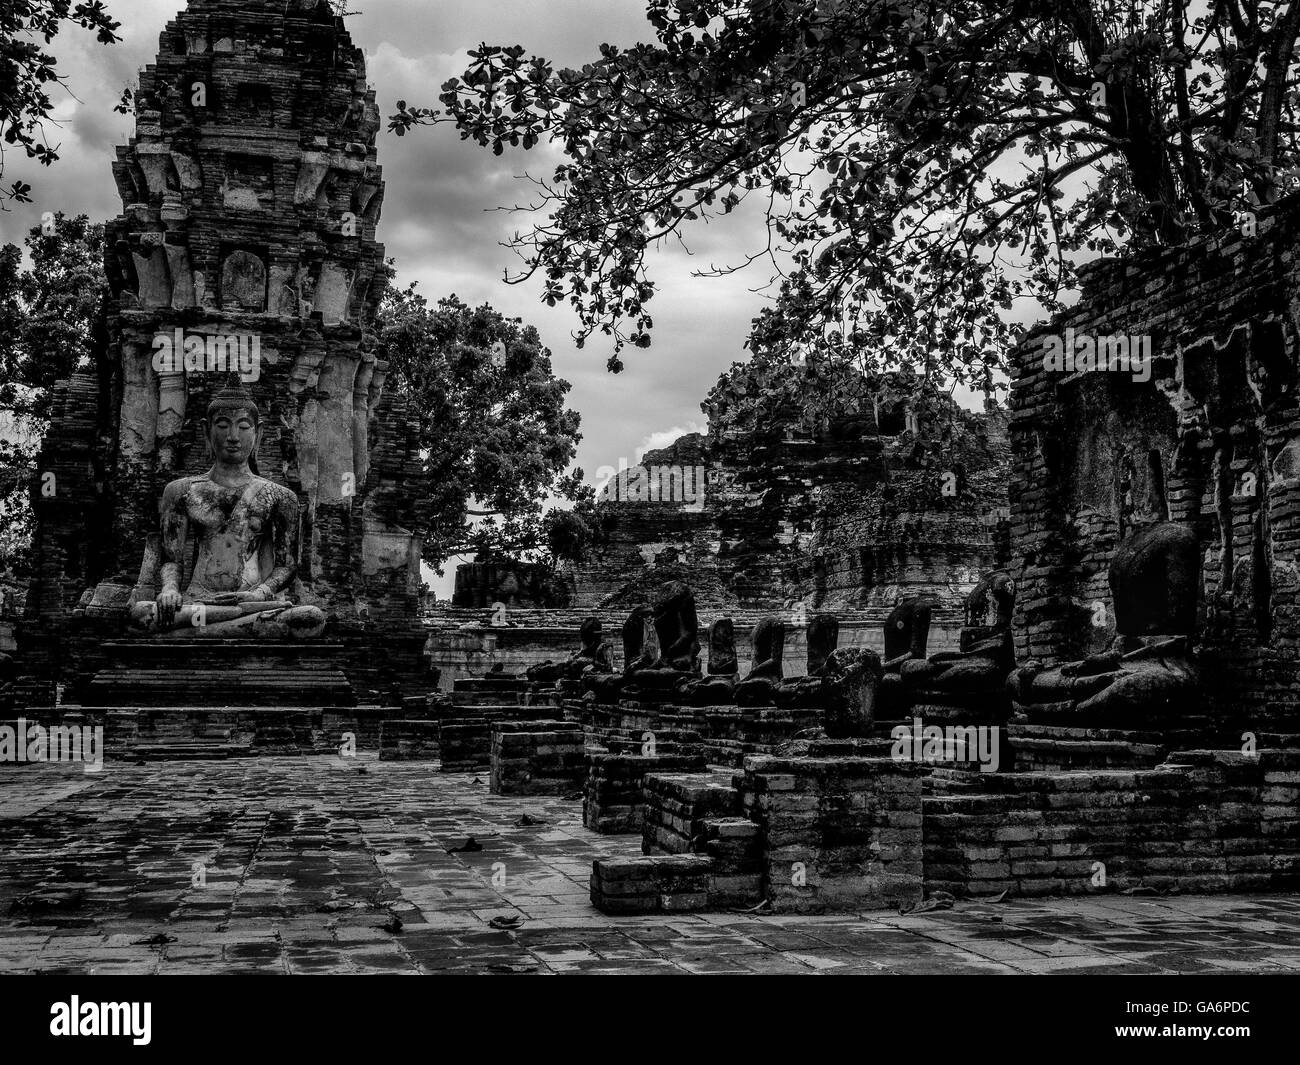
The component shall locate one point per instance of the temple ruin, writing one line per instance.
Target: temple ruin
(827, 677)
(245, 255)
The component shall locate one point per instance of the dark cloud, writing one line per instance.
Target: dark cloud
(437, 221)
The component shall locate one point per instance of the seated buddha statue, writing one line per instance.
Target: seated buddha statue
(591, 657)
(977, 673)
(764, 676)
(716, 687)
(843, 683)
(676, 630)
(823, 636)
(245, 532)
(907, 635)
(638, 653)
(1147, 675)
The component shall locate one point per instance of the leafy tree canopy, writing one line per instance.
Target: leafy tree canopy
(28, 69)
(768, 394)
(48, 314)
(495, 431)
(921, 164)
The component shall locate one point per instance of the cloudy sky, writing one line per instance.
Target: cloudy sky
(438, 219)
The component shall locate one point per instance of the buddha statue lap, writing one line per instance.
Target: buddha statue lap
(718, 686)
(591, 657)
(1148, 675)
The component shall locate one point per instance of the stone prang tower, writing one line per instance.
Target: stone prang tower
(245, 254)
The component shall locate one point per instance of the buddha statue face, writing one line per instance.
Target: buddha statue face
(234, 431)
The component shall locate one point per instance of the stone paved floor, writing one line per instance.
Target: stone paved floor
(304, 859)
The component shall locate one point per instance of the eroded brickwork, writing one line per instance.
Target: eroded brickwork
(1211, 440)
(838, 518)
(246, 253)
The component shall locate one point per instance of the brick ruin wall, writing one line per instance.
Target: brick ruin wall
(1211, 441)
(789, 520)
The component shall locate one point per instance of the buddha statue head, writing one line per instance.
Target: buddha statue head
(234, 428)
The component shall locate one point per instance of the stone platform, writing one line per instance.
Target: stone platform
(304, 861)
(219, 673)
(155, 732)
(1037, 747)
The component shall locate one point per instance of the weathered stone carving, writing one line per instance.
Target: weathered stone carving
(823, 635)
(676, 633)
(243, 282)
(637, 654)
(717, 688)
(907, 634)
(1148, 673)
(591, 657)
(850, 682)
(246, 531)
(974, 677)
(677, 628)
(766, 672)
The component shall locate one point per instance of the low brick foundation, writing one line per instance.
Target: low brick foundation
(678, 804)
(664, 884)
(1204, 821)
(409, 741)
(836, 833)
(537, 758)
(465, 739)
(613, 801)
(190, 732)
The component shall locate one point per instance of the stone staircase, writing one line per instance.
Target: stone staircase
(220, 673)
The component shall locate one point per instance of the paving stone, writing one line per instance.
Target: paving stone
(277, 901)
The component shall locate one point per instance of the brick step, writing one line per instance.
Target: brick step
(219, 687)
(191, 751)
(502, 698)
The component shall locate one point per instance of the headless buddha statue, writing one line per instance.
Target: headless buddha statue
(823, 636)
(638, 653)
(761, 682)
(716, 688)
(676, 630)
(1147, 673)
(591, 657)
(907, 635)
(844, 684)
(246, 533)
(986, 655)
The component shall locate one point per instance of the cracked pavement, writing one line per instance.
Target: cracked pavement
(300, 865)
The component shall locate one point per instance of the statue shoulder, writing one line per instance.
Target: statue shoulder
(281, 498)
(177, 490)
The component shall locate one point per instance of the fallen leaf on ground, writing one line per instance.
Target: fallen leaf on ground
(506, 922)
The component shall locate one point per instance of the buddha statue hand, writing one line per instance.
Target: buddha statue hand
(260, 594)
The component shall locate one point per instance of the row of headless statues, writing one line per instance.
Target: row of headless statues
(1145, 675)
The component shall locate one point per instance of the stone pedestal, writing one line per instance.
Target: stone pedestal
(837, 833)
(678, 804)
(614, 802)
(537, 758)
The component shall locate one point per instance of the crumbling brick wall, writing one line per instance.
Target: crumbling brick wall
(1211, 440)
(838, 518)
